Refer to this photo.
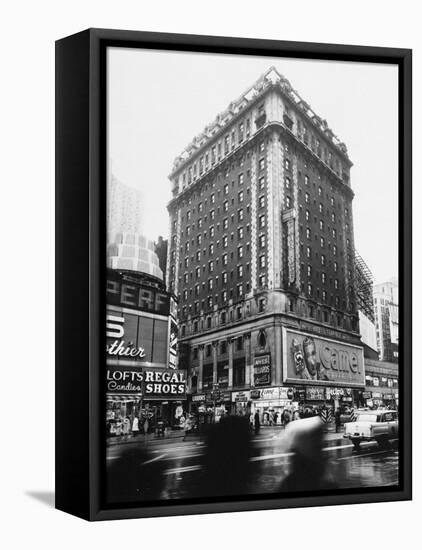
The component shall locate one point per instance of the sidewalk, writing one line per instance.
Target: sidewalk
(330, 436)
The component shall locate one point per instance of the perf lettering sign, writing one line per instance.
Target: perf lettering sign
(310, 358)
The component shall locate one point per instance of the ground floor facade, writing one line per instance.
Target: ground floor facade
(274, 363)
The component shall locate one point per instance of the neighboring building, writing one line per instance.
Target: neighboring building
(386, 305)
(124, 209)
(365, 300)
(161, 250)
(261, 256)
(133, 252)
(382, 384)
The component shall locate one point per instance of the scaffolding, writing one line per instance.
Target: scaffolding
(364, 281)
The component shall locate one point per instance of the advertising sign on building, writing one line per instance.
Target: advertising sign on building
(315, 393)
(262, 369)
(137, 337)
(241, 396)
(313, 358)
(154, 383)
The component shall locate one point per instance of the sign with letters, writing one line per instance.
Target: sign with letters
(262, 369)
(309, 358)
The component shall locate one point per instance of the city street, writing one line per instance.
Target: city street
(176, 466)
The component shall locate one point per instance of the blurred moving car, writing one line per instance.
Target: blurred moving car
(381, 426)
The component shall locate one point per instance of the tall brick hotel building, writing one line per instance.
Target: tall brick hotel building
(261, 257)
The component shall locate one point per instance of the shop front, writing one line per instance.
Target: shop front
(270, 403)
(241, 403)
(145, 398)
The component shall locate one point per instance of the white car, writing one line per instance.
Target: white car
(381, 426)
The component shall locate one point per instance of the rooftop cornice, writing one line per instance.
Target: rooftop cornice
(232, 154)
(269, 80)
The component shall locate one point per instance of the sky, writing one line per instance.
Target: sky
(158, 101)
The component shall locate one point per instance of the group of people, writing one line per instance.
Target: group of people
(273, 418)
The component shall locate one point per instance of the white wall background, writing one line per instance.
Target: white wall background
(27, 275)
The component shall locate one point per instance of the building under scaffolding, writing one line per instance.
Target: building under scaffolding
(364, 281)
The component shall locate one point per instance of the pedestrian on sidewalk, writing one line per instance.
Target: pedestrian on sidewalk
(135, 426)
(257, 423)
(337, 419)
(188, 427)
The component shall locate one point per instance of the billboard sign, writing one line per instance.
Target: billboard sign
(309, 358)
(262, 370)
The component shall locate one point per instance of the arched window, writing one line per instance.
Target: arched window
(262, 339)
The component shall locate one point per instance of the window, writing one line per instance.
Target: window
(210, 284)
(287, 182)
(334, 233)
(323, 278)
(324, 295)
(211, 266)
(240, 196)
(226, 206)
(240, 290)
(307, 215)
(308, 233)
(261, 281)
(199, 223)
(198, 272)
(321, 208)
(262, 241)
(321, 225)
(306, 180)
(261, 164)
(240, 251)
(262, 201)
(307, 198)
(212, 214)
(199, 239)
(211, 231)
(334, 250)
(188, 215)
(309, 289)
(308, 252)
(309, 270)
(224, 259)
(262, 221)
(211, 249)
(225, 223)
(333, 217)
(224, 277)
(225, 241)
(319, 190)
(240, 271)
(287, 164)
(209, 301)
(322, 242)
(335, 266)
(288, 201)
(262, 261)
(240, 214)
(240, 232)
(322, 259)
(336, 284)
(241, 179)
(261, 183)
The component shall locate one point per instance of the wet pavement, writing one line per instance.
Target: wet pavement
(171, 468)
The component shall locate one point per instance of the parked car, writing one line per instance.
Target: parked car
(381, 426)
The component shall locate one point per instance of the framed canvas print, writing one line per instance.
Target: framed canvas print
(233, 274)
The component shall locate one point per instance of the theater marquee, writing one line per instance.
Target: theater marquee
(311, 358)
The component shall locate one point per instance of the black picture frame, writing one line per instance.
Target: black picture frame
(80, 266)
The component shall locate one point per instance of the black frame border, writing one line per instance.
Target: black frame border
(80, 113)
